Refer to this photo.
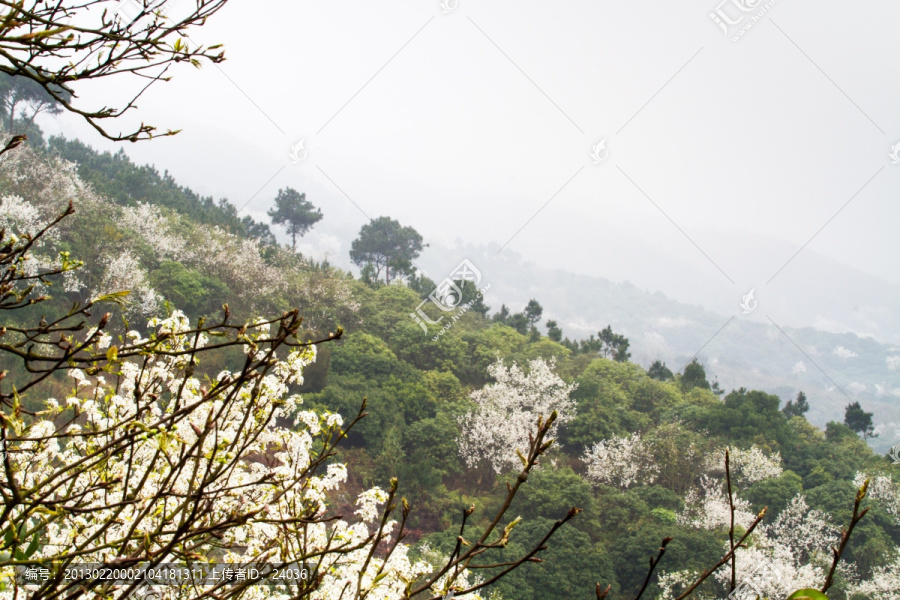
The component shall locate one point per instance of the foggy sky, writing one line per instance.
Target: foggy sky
(478, 125)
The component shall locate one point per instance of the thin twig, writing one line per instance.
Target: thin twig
(653, 563)
(845, 535)
(725, 558)
(731, 527)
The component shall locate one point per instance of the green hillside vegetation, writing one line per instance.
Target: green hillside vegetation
(662, 435)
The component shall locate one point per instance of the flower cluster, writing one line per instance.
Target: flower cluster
(621, 461)
(884, 491)
(706, 507)
(37, 187)
(124, 272)
(508, 410)
(747, 466)
(236, 261)
(882, 584)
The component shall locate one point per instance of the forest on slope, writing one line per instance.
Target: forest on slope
(640, 451)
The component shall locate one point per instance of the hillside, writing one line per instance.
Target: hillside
(642, 455)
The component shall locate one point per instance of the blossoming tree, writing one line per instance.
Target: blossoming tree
(498, 431)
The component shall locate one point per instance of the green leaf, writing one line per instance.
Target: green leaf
(33, 546)
(117, 297)
(112, 355)
(807, 594)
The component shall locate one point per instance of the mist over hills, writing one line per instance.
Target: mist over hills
(763, 350)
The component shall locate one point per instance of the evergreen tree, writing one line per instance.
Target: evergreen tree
(796, 408)
(26, 99)
(295, 212)
(421, 285)
(659, 371)
(533, 312)
(614, 345)
(502, 315)
(553, 331)
(385, 246)
(859, 420)
(694, 376)
(519, 322)
(470, 293)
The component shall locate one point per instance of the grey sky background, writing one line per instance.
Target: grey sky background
(476, 126)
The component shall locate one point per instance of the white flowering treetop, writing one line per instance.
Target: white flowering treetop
(146, 460)
(630, 460)
(884, 491)
(498, 431)
(747, 466)
(621, 461)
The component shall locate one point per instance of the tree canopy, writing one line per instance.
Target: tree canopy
(859, 420)
(295, 212)
(386, 247)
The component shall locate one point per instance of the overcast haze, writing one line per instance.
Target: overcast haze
(477, 126)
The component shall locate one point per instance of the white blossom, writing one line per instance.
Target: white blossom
(706, 507)
(789, 554)
(882, 584)
(19, 216)
(621, 461)
(882, 490)
(747, 466)
(124, 272)
(509, 409)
